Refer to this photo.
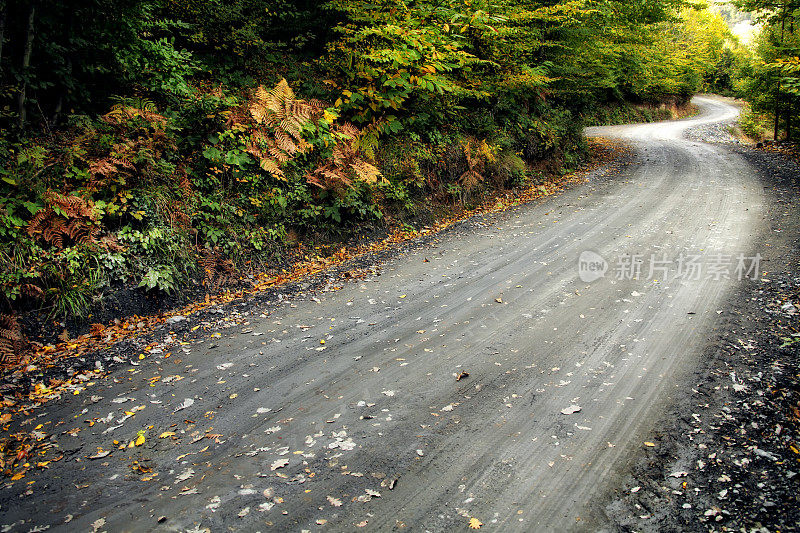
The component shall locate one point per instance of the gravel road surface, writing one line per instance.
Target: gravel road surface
(478, 377)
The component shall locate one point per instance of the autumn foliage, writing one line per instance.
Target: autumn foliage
(195, 144)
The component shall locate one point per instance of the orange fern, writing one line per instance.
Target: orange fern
(346, 164)
(65, 217)
(12, 341)
(217, 270)
(279, 120)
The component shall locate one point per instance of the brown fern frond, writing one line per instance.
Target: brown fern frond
(276, 153)
(8, 356)
(470, 179)
(348, 129)
(291, 126)
(12, 340)
(185, 184)
(110, 243)
(281, 92)
(31, 291)
(54, 229)
(9, 334)
(279, 121)
(38, 222)
(122, 163)
(218, 271)
(272, 167)
(259, 112)
(64, 216)
(285, 142)
(121, 113)
(102, 167)
(81, 232)
(328, 178)
(312, 178)
(365, 171)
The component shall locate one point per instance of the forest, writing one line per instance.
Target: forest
(165, 147)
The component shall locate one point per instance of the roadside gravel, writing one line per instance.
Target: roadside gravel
(728, 456)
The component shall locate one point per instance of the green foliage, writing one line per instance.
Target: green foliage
(752, 124)
(161, 277)
(219, 130)
(769, 77)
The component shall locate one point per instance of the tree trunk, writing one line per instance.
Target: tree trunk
(2, 31)
(778, 92)
(57, 111)
(26, 63)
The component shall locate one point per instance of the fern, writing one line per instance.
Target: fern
(346, 164)
(279, 120)
(129, 108)
(65, 217)
(477, 154)
(218, 271)
(12, 341)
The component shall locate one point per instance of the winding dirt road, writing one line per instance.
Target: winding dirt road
(371, 429)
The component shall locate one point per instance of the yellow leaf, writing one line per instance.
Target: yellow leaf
(233, 396)
(166, 434)
(649, 444)
(474, 523)
(139, 440)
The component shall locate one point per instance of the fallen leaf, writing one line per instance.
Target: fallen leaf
(474, 523)
(279, 463)
(649, 444)
(186, 474)
(100, 454)
(166, 434)
(334, 501)
(571, 410)
(188, 402)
